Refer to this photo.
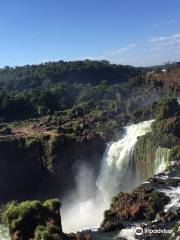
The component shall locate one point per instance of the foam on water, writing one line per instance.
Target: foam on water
(174, 194)
(128, 233)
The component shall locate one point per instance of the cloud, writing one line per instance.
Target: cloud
(171, 41)
(110, 53)
(121, 50)
(164, 48)
(173, 37)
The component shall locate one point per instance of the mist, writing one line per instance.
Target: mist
(178, 99)
(83, 208)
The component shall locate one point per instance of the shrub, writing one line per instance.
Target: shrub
(46, 232)
(53, 204)
(166, 108)
(14, 214)
(175, 153)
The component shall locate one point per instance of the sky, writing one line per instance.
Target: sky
(136, 32)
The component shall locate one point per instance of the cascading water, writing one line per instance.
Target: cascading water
(161, 159)
(117, 174)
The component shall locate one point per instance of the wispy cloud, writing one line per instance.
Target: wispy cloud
(174, 36)
(119, 51)
(164, 48)
(108, 54)
(167, 41)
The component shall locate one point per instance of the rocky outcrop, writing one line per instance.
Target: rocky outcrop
(169, 78)
(143, 203)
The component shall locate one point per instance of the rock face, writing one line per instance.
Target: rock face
(143, 203)
(169, 79)
(43, 166)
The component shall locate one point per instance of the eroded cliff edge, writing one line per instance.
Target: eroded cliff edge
(40, 165)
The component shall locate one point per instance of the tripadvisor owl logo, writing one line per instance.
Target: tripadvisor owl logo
(139, 231)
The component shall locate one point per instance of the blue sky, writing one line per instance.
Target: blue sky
(137, 32)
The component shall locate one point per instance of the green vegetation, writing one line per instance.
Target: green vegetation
(14, 215)
(75, 110)
(34, 76)
(53, 204)
(33, 219)
(166, 108)
(142, 203)
(75, 100)
(117, 197)
(61, 97)
(175, 153)
(32, 91)
(46, 232)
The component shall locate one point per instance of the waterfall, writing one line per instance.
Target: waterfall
(161, 159)
(118, 172)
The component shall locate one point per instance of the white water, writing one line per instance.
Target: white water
(174, 194)
(128, 233)
(117, 174)
(83, 209)
(161, 159)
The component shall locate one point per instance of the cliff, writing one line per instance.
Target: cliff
(168, 78)
(38, 166)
